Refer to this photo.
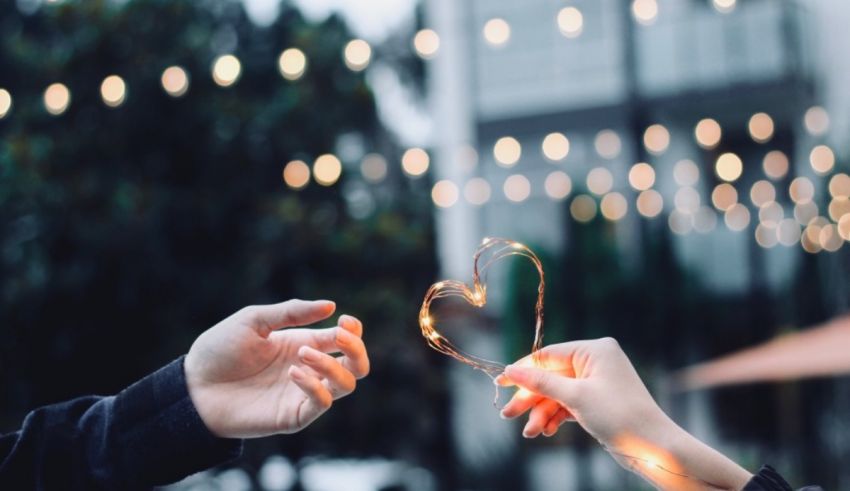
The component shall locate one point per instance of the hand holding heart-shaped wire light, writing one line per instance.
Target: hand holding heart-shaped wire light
(491, 250)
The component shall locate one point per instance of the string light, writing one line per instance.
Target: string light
(5, 103)
(816, 121)
(838, 207)
(373, 167)
(737, 217)
(844, 227)
(490, 251)
(327, 169)
(822, 159)
(477, 191)
(426, 43)
(839, 186)
(175, 81)
(762, 192)
(729, 167)
(607, 144)
(829, 238)
(775, 164)
(555, 146)
(497, 32)
(583, 208)
(570, 22)
(650, 203)
(761, 127)
(708, 133)
(641, 176)
(788, 232)
(765, 236)
(113, 90)
(517, 188)
(656, 139)
(687, 200)
(296, 174)
(801, 190)
(226, 70)
(415, 162)
(292, 63)
(507, 151)
(804, 213)
(57, 98)
(357, 54)
(651, 464)
(770, 214)
(558, 185)
(444, 193)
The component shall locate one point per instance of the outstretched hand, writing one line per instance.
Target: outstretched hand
(250, 375)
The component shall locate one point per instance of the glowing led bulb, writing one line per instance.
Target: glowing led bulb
(57, 97)
(426, 43)
(175, 81)
(497, 32)
(292, 64)
(113, 90)
(357, 53)
(226, 70)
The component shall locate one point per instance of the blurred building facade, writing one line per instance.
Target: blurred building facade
(620, 82)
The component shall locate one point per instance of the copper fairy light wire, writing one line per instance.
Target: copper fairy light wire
(491, 250)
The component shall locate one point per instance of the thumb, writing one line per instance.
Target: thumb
(549, 384)
(267, 318)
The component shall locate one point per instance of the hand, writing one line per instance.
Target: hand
(595, 384)
(248, 378)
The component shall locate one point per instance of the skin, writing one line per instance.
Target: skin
(255, 374)
(594, 384)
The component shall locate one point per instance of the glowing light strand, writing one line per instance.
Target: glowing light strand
(640, 465)
(490, 251)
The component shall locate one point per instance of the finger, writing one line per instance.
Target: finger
(354, 358)
(503, 381)
(267, 318)
(351, 324)
(548, 384)
(539, 417)
(555, 422)
(318, 400)
(521, 402)
(340, 381)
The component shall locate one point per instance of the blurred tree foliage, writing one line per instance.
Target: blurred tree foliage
(125, 232)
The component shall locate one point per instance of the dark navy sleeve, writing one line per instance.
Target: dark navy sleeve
(768, 479)
(149, 434)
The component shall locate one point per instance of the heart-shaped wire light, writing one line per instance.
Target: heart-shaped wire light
(491, 250)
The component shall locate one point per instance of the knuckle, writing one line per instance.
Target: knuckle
(249, 314)
(609, 343)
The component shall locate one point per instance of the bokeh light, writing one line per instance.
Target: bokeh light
(822, 159)
(57, 98)
(761, 127)
(839, 186)
(645, 11)
(444, 193)
(708, 133)
(656, 139)
(113, 91)
(477, 191)
(766, 236)
(829, 238)
(415, 162)
(687, 199)
(570, 22)
(599, 181)
(357, 55)
(327, 169)
(517, 188)
(583, 208)
(296, 174)
(844, 227)
(426, 43)
(558, 185)
(816, 121)
(724, 6)
(775, 164)
(175, 81)
(805, 212)
(724, 196)
(801, 190)
(292, 63)
(705, 220)
(374, 167)
(556, 146)
(607, 144)
(614, 206)
(650, 203)
(788, 232)
(770, 214)
(729, 167)
(686, 173)
(507, 151)
(838, 207)
(762, 192)
(5, 103)
(737, 217)
(226, 70)
(641, 176)
(680, 223)
(497, 32)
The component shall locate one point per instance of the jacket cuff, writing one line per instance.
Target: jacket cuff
(162, 436)
(767, 479)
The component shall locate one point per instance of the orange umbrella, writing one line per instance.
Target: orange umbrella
(819, 351)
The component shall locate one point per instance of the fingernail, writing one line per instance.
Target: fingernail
(294, 372)
(503, 415)
(342, 338)
(307, 354)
